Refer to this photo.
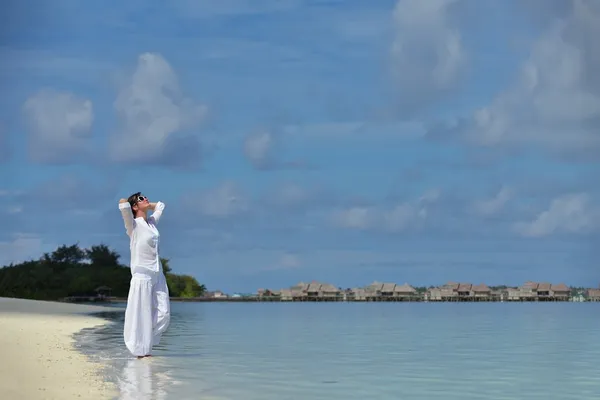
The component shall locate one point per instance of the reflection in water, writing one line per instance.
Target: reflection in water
(147, 379)
(140, 382)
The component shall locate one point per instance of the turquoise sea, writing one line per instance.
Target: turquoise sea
(450, 351)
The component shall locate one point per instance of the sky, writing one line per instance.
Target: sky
(344, 141)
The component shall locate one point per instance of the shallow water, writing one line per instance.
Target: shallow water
(453, 351)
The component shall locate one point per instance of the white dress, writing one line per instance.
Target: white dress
(148, 309)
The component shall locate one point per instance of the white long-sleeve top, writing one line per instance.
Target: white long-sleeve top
(144, 237)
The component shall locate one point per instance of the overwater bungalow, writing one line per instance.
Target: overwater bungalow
(529, 291)
(464, 291)
(387, 291)
(513, 294)
(299, 292)
(482, 292)
(533, 291)
(593, 295)
(373, 292)
(560, 292)
(433, 294)
(543, 291)
(356, 294)
(328, 292)
(286, 295)
(378, 291)
(453, 291)
(406, 292)
(449, 291)
(313, 291)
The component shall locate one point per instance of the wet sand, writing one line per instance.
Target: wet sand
(39, 360)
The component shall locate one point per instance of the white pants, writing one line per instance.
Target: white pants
(148, 312)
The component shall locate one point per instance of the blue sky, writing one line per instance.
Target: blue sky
(338, 140)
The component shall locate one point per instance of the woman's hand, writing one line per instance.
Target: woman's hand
(123, 201)
(152, 206)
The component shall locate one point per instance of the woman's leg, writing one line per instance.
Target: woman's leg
(162, 308)
(137, 332)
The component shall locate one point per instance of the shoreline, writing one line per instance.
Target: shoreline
(40, 360)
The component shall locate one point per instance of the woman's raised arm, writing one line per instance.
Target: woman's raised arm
(158, 208)
(127, 214)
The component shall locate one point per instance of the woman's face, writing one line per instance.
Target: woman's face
(142, 203)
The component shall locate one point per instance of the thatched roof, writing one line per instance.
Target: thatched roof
(301, 286)
(327, 288)
(561, 287)
(481, 288)
(593, 293)
(374, 287)
(406, 288)
(464, 287)
(544, 287)
(388, 287)
(451, 286)
(530, 285)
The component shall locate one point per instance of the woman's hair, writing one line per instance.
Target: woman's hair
(132, 200)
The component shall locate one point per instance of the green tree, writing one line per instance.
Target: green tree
(191, 287)
(181, 285)
(165, 265)
(67, 255)
(102, 256)
(71, 271)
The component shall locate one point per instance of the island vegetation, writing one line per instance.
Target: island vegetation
(75, 271)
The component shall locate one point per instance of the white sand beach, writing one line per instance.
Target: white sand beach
(39, 360)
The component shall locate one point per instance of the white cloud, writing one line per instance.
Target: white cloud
(286, 261)
(495, 204)
(555, 103)
(572, 213)
(263, 150)
(224, 200)
(153, 111)
(257, 149)
(356, 217)
(430, 196)
(291, 195)
(427, 51)
(15, 209)
(20, 248)
(59, 123)
(398, 218)
(72, 192)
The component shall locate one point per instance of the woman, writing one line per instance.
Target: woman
(148, 310)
